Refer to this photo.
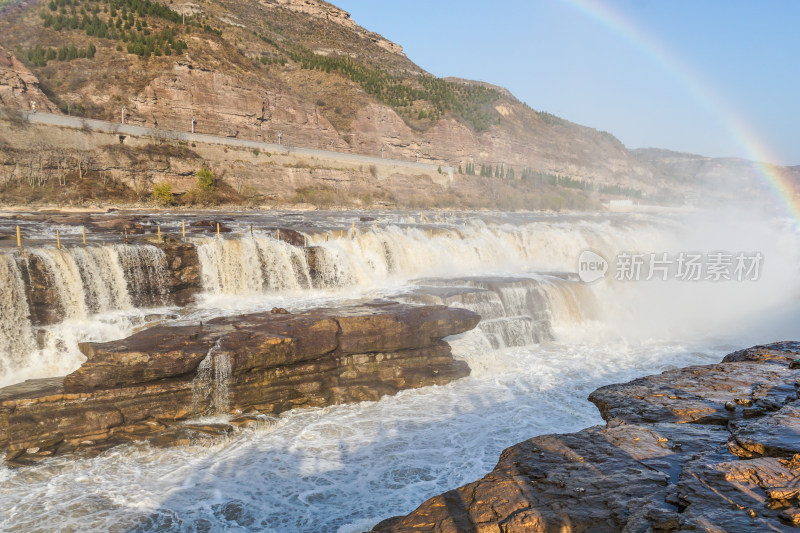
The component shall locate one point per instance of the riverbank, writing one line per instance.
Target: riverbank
(709, 448)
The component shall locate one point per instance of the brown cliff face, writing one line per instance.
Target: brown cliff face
(264, 363)
(705, 448)
(19, 87)
(228, 105)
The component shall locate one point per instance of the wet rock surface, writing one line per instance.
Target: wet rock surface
(148, 385)
(705, 448)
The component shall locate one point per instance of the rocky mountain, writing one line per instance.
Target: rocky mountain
(303, 73)
(254, 68)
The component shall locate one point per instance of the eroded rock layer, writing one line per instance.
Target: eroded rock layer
(145, 386)
(705, 448)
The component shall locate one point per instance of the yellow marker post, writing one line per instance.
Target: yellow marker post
(58, 240)
(84, 235)
(279, 234)
(159, 234)
(183, 229)
(19, 239)
(217, 230)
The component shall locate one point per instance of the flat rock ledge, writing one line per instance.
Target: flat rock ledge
(151, 385)
(704, 448)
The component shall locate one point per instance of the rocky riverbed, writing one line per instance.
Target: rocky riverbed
(242, 368)
(703, 448)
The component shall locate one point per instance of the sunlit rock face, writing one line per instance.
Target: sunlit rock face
(263, 363)
(19, 87)
(714, 444)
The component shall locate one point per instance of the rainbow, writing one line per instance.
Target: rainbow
(755, 149)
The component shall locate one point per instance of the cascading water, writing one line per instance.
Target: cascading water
(95, 291)
(210, 385)
(395, 253)
(514, 311)
(65, 280)
(250, 265)
(87, 284)
(144, 269)
(103, 284)
(16, 339)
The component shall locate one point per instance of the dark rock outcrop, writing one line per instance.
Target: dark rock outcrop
(704, 448)
(43, 300)
(183, 269)
(263, 363)
(211, 226)
(289, 236)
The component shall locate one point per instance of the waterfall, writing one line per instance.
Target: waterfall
(73, 290)
(98, 292)
(252, 265)
(64, 278)
(16, 339)
(211, 382)
(97, 279)
(261, 264)
(146, 272)
(102, 279)
(514, 311)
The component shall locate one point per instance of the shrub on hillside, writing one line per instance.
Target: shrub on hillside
(206, 181)
(162, 194)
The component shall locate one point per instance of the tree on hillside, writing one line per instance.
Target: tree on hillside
(206, 181)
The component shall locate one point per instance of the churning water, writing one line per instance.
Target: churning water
(545, 342)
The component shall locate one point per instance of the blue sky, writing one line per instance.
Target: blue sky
(555, 57)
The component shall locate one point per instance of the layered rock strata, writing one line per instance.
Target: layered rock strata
(704, 448)
(148, 385)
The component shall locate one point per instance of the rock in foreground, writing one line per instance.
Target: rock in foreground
(147, 385)
(706, 448)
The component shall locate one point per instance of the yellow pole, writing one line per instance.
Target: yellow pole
(217, 230)
(354, 228)
(19, 239)
(58, 240)
(183, 229)
(84, 235)
(159, 234)
(279, 234)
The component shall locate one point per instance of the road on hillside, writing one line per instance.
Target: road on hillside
(142, 131)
